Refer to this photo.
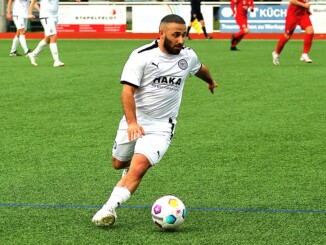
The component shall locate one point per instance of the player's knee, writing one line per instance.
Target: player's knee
(47, 40)
(246, 30)
(117, 164)
(310, 30)
(287, 36)
(22, 31)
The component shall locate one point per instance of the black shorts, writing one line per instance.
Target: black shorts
(198, 16)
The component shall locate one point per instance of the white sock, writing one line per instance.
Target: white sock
(39, 47)
(54, 51)
(118, 196)
(15, 42)
(22, 41)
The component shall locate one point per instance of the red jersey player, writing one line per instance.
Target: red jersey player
(239, 10)
(297, 14)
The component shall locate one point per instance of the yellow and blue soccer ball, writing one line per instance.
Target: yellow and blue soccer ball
(168, 212)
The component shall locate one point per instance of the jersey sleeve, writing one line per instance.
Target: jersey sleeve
(232, 5)
(133, 70)
(252, 5)
(195, 63)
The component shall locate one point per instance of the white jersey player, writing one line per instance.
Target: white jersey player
(49, 20)
(17, 11)
(153, 79)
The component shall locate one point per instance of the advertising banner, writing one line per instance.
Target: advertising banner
(91, 18)
(264, 19)
(146, 19)
(318, 18)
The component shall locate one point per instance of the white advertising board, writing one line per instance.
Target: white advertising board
(91, 18)
(146, 19)
(318, 18)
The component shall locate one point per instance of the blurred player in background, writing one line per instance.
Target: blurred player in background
(298, 13)
(152, 83)
(240, 11)
(197, 14)
(49, 20)
(19, 16)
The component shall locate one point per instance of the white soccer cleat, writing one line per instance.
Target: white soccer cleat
(58, 63)
(275, 58)
(305, 58)
(106, 216)
(32, 59)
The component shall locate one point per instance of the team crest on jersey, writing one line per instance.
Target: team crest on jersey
(183, 64)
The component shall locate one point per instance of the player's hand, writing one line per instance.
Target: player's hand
(307, 5)
(31, 17)
(135, 131)
(212, 86)
(9, 17)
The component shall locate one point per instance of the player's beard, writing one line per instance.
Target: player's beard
(170, 48)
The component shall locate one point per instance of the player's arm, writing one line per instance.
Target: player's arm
(9, 17)
(298, 3)
(37, 7)
(129, 107)
(252, 6)
(232, 6)
(30, 9)
(204, 74)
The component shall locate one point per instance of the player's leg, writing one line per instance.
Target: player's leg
(106, 216)
(188, 30)
(42, 44)
(22, 38)
(282, 41)
(13, 50)
(149, 150)
(236, 38)
(15, 41)
(280, 45)
(123, 149)
(122, 153)
(290, 25)
(192, 18)
(203, 26)
(307, 42)
(54, 51)
(51, 32)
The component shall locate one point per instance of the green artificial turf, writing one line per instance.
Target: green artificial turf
(248, 161)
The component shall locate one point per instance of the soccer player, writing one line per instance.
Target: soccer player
(49, 20)
(19, 17)
(298, 13)
(197, 14)
(239, 11)
(152, 83)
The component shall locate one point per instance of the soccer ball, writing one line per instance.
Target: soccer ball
(168, 212)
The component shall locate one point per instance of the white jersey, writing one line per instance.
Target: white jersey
(20, 8)
(49, 8)
(160, 78)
